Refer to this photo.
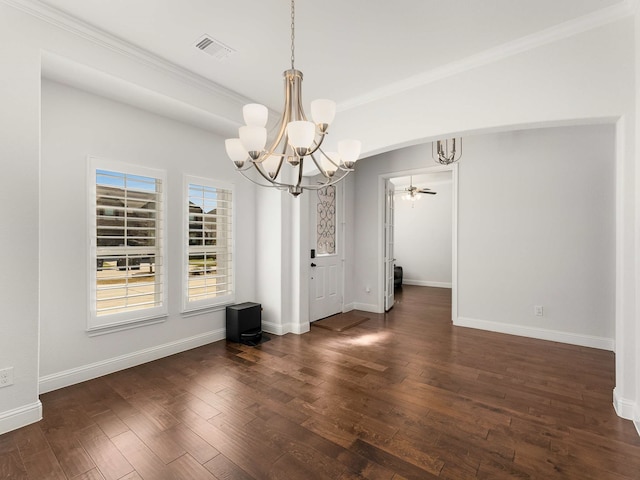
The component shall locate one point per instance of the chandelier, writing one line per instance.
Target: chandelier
(445, 151)
(296, 140)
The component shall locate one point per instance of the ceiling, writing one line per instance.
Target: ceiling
(345, 48)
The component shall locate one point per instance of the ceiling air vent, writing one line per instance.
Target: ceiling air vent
(213, 47)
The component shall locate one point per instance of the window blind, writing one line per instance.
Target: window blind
(209, 276)
(128, 240)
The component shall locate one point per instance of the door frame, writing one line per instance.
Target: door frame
(453, 168)
(340, 247)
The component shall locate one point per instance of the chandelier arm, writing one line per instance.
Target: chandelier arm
(282, 187)
(266, 176)
(283, 156)
(299, 182)
(298, 96)
(316, 145)
(453, 149)
(286, 118)
(332, 162)
(272, 183)
(320, 169)
(329, 182)
(316, 163)
(247, 165)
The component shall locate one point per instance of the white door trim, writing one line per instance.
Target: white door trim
(453, 168)
(318, 311)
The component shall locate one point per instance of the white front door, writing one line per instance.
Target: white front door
(389, 260)
(325, 286)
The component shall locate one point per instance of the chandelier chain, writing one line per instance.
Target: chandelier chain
(293, 32)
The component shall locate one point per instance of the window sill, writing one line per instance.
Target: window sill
(107, 329)
(195, 311)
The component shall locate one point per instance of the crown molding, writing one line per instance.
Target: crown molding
(562, 31)
(103, 39)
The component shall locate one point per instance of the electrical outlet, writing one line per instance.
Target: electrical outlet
(538, 310)
(6, 377)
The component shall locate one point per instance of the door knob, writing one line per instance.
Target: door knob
(313, 265)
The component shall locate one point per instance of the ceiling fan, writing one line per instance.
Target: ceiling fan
(413, 192)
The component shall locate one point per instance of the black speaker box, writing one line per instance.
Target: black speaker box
(244, 322)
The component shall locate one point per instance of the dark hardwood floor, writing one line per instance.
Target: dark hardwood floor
(401, 396)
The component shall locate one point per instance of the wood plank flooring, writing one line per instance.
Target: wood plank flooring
(403, 395)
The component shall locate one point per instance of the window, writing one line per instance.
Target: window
(127, 234)
(209, 279)
(326, 221)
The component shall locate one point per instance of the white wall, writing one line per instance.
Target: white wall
(576, 79)
(24, 38)
(573, 79)
(537, 227)
(422, 234)
(76, 124)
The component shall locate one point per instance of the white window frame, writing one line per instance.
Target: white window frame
(117, 321)
(212, 302)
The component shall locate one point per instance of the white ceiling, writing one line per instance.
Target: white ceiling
(346, 48)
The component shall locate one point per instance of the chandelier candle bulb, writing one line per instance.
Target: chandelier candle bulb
(323, 112)
(349, 151)
(236, 151)
(329, 162)
(253, 140)
(255, 115)
(301, 134)
(270, 164)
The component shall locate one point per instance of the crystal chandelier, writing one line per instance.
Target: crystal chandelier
(446, 152)
(295, 141)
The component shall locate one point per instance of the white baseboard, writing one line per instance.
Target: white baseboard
(58, 380)
(366, 307)
(348, 307)
(601, 343)
(426, 283)
(274, 328)
(20, 417)
(299, 329)
(282, 329)
(624, 407)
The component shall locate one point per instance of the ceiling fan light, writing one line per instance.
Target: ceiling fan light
(255, 115)
(253, 138)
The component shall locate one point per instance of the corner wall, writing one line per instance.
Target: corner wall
(537, 228)
(23, 38)
(589, 77)
(76, 124)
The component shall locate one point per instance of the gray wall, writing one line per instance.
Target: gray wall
(76, 124)
(422, 235)
(536, 226)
